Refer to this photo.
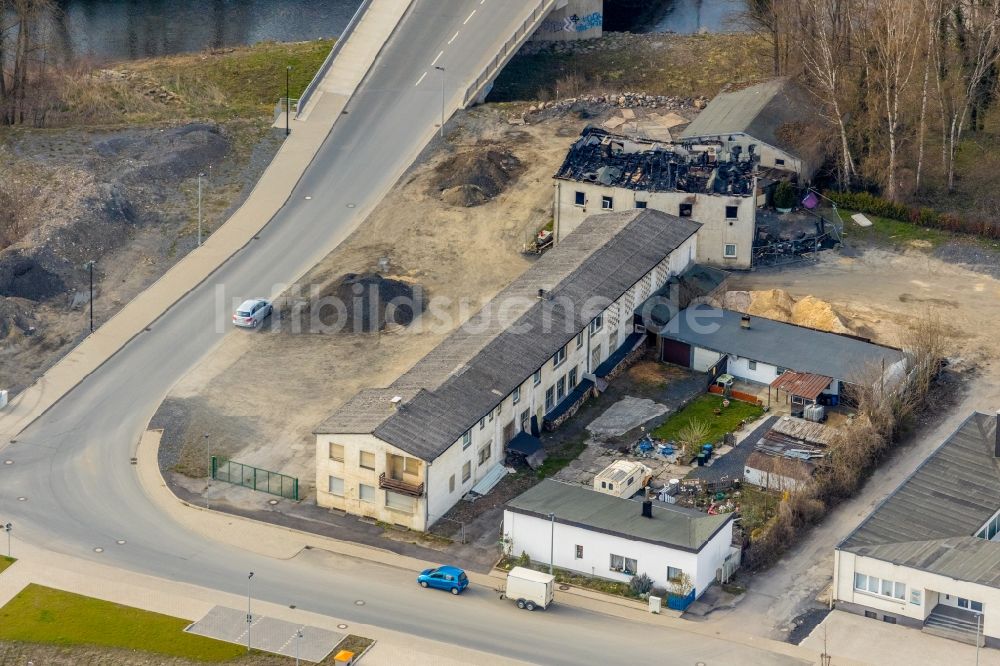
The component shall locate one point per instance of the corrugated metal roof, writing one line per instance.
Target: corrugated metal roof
(483, 361)
(803, 384)
(777, 343)
(929, 522)
(672, 526)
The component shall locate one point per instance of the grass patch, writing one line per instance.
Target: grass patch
(572, 578)
(703, 408)
(353, 643)
(6, 562)
(559, 458)
(658, 64)
(885, 231)
(47, 616)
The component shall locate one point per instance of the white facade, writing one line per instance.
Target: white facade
(746, 369)
(728, 222)
(590, 552)
(452, 474)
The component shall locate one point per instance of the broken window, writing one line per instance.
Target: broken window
(607, 203)
(640, 204)
(779, 162)
(732, 212)
(685, 210)
(581, 199)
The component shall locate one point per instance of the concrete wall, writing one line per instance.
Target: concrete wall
(572, 20)
(710, 210)
(533, 536)
(932, 589)
(770, 480)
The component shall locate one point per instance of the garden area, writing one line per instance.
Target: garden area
(706, 420)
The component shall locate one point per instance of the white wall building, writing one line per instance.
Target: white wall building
(609, 537)
(928, 556)
(407, 453)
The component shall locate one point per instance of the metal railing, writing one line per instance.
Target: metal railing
(262, 480)
(389, 483)
(509, 48)
(280, 107)
(325, 67)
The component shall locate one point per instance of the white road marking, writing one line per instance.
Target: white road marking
(453, 38)
(438, 58)
(470, 17)
(420, 79)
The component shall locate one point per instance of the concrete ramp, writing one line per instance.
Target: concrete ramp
(267, 634)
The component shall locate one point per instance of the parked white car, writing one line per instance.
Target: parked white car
(252, 313)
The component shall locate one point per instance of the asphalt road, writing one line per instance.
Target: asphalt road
(72, 465)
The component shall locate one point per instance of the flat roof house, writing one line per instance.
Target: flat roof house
(407, 453)
(928, 556)
(600, 535)
(802, 362)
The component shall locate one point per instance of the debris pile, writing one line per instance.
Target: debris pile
(473, 177)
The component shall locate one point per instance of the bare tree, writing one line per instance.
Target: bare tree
(23, 58)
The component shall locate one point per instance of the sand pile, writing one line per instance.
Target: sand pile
(778, 304)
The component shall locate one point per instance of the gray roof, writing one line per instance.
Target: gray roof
(779, 112)
(930, 520)
(677, 527)
(778, 343)
(483, 361)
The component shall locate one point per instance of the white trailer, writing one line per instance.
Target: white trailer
(530, 589)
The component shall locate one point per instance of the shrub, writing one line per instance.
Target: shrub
(926, 217)
(640, 585)
(658, 591)
(523, 560)
(784, 195)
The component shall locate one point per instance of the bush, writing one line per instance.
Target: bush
(523, 560)
(658, 591)
(640, 585)
(926, 217)
(784, 195)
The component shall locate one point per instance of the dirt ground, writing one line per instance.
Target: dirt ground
(458, 256)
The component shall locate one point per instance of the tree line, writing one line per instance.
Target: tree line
(25, 60)
(901, 81)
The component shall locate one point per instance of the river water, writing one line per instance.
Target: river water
(104, 30)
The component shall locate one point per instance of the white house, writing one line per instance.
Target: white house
(806, 364)
(407, 453)
(928, 556)
(609, 537)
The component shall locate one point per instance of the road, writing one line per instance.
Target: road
(72, 469)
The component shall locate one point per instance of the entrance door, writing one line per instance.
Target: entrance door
(508, 433)
(595, 358)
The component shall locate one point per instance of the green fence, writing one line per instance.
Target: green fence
(255, 478)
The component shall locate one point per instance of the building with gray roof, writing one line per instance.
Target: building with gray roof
(927, 555)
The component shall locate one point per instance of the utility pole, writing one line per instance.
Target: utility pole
(200, 176)
(442, 70)
(288, 101)
(552, 542)
(249, 614)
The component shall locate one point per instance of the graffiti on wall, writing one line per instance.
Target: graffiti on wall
(573, 23)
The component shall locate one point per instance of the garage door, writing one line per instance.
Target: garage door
(676, 352)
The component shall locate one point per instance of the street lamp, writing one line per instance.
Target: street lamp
(208, 449)
(442, 70)
(7, 528)
(288, 100)
(249, 614)
(552, 541)
(298, 638)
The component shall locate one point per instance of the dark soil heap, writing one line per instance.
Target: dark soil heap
(473, 177)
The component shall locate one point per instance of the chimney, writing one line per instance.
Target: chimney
(396, 401)
(647, 508)
(541, 293)
(745, 321)
(996, 437)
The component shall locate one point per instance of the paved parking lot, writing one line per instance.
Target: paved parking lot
(267, 634)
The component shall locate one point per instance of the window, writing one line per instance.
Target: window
(579, 339)
(451, 484)
(537, 377)
(572, 378)
(559, 358)
(617, 562)
(881, 587)
(631, 566)
(516, 396)
(482, 423)
(779, 162)
(412, 467)
(466, 471)
(886, 588)
(336, 486)
(860, 581)
(580, 199)
(367, 460)
(889, 619)
(685, 210)
(626, 565)
(673, 573)
(579, 552)
(561, 388)
(751, 365)
(366, 493)
(550, 398)
(467, 439)
(604, 484)
(780, 370)
(491, 415)
(729, 251)
(525, 419)
(597, 323)
(336, 452)
(607, 203)
(732, 212)
(640, 204)
(485, 452)
(399, 502)
(871, 615)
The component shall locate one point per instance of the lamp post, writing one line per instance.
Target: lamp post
(249, 614)
(552, 541)
(288, 100)
(442, 70)
(90, 268)
(200, 176)
(208, 450)
(298, 638)
(7, 528)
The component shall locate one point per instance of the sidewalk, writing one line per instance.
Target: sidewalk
(268, 196)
